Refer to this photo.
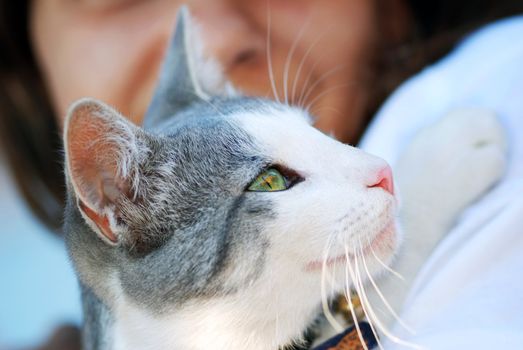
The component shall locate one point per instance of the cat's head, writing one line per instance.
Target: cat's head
(221, 199)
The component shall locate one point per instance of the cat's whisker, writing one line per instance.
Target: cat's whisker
(315, 111)
(206, 101)
(304, 89)
(382, 297)
(348, 298)
(287, 65)
(365, 307)
(269, 56)
(325, 92)
(322, 77)
(375, 319)
(386, 267)
(214, 107)
(383, 264)
(371, 316)
(304, 59)
(331, 274)
(350, 270)
(324, 297)
(300, 100)
(333, 279)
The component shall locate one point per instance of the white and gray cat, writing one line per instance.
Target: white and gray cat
(214, 226)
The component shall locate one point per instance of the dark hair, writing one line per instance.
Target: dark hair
(28, 129)
(30, 135)
(437, 27)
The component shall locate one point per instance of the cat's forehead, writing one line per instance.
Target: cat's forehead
(286, 136)
(281, 134)
(261, 125)
(217, 111)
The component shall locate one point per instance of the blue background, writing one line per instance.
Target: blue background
(38, 289)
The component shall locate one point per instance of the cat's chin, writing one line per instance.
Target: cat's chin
(382, 247)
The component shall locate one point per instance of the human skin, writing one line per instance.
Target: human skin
(112, 50)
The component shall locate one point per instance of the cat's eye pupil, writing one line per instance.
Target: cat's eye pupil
(269, 181)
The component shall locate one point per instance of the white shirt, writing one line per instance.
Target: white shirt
(469, 294)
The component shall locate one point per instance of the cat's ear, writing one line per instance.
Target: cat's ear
(186, 75)
(102, 153)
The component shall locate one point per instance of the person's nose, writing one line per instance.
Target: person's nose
(228, 34)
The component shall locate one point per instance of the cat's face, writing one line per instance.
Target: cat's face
(340, 208)
(174, 216)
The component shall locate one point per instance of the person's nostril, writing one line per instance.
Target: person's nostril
(228, 36)
(245, 56)
(384, 180)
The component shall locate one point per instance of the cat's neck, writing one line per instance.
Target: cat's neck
(98, 322)
(230, 323)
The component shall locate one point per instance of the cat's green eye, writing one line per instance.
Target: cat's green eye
(269, 181)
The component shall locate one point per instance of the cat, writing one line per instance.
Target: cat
(215, 225)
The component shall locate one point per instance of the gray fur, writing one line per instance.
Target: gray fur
(191, 196)
(177, 85)
(189, 212)
(97, 320)
(188, 224)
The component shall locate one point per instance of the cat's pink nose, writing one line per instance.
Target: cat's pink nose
(384, 180)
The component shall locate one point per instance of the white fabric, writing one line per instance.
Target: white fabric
(469, 294)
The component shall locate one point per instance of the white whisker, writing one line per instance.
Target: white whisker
(324, 298)
(349, 269)
(382, 297)
(323, 93)
(322, 77)
(304, 87)
(213, 106)
(269, 56)
(303, 60)
(380, 325)
(329, 108)
(386, 267)
(287, 65)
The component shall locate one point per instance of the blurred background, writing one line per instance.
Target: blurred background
(38, 289)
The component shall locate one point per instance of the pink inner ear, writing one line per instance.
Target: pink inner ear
(92, 154)
(100, 221)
